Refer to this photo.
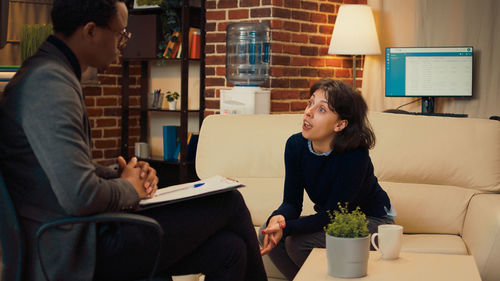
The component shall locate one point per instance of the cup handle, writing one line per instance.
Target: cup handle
(373, 241)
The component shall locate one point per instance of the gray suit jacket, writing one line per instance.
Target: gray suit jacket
(45, 156)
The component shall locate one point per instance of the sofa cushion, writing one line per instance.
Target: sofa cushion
(432, 243)
(437, 150)
(426, 208)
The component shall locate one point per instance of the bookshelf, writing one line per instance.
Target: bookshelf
(144, 48)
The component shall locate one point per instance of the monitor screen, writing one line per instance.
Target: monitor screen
(428, 71)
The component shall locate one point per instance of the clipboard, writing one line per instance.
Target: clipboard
(186, 191)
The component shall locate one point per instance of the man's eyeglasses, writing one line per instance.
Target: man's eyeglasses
(124, 37)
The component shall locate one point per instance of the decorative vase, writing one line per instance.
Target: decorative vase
(172, 105)
(347, 257)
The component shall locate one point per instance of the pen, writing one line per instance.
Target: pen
(198, 184)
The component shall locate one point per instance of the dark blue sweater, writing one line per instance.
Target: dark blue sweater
(346, 177)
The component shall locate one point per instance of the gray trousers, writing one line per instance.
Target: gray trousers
(292, 252)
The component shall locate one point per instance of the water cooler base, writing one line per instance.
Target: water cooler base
(245, 100)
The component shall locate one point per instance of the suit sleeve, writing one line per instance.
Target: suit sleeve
(53, 111)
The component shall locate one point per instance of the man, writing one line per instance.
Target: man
(45, 156)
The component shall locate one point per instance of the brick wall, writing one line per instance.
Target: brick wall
(104, 107)
(300, 36)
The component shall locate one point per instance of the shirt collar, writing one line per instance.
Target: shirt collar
(67, 53)
(309, 145)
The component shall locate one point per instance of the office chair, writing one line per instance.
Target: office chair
(11, 235)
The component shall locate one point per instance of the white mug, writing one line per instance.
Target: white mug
(389, 240)
(142, 150)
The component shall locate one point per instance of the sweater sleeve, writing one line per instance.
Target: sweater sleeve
(347, 187)
(293, 194)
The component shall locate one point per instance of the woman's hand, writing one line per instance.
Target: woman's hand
(272, 233)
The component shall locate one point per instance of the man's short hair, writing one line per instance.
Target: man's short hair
(68, 15)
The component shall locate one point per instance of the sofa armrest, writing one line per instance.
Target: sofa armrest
(481, 233)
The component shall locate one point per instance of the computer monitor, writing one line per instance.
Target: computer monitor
(428, 72)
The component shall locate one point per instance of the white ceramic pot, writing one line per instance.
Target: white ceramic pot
(347, 257)
(172, 105)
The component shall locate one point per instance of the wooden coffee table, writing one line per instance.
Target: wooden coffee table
(409, 267)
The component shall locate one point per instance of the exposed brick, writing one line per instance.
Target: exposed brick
(321, 18)
(108, 91)
(300, 38)
(320, 40)
(280, 83)
(105, 122)
(108, 133)
(224, 4)
(209, 103)
(336, 62)
(280, 60)
(96, 154)
(96, 133)
(208, 113)
(347, 63)
(220, 71)
(210, 26)
(249, 3)
(309, 72)
(342, 73)
(326, 73)
(280, 106)
(309, 28)
(299, 83)
(107, 80)
(281, 13)
(281, 36)
(323, 50)
(317, 62)
(221, 49)
(307, 5)
(276, 47)
(332, 19)
(291, 26)
(215, 15)
(260, 13)
(298, 105)
(222, 26)
(285, 94)
(107, 101)
(308, 51)
(276, 71)
(291, 71)
(209, 49)
(328, 8)
(238, 14)
(215, 38)
(117, 70)
(291, 49)
(300, 15)
(214, 82)
(210, 4)
(209, 71)
(134, 70)
(215, 60)
(299, 61)
(294, 4)
(92, 91)
(326, 29)
(305, 94)
(277, 3)
(89, 101)
(209, 93)
(115, 111)
(276, 24)
(111, 153)
(94, 112)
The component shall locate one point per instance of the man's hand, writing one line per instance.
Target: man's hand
(272, 233)
(147, 174)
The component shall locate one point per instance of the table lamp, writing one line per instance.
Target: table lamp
(354, 34)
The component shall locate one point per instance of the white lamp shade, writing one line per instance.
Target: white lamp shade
(354, 32)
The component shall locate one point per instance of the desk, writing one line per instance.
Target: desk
(409, 267)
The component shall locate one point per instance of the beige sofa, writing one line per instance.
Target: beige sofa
(442, 175)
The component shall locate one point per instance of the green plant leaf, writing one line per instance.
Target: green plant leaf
(347, 224)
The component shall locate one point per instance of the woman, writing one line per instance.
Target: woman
(330, 161)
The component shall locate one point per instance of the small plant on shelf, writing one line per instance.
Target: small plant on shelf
(347, 224)
(172, 96)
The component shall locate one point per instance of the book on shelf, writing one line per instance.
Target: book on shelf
(173, 46)
(169, 142)
(194, 42)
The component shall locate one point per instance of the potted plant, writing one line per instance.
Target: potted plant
(172, 98)
(32, 36)
(347, 243)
